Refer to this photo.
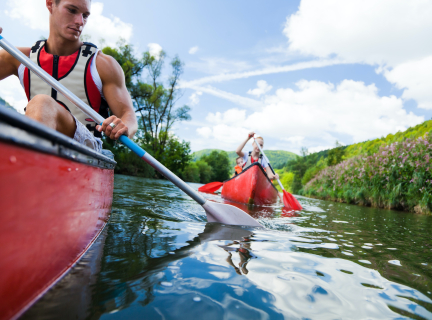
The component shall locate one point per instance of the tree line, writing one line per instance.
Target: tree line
(156, 104)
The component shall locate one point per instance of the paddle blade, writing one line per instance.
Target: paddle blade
(290, 201)
(210, 187)
(225, 213)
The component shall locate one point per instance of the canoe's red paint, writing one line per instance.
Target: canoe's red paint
(52, 209)
(251, 186)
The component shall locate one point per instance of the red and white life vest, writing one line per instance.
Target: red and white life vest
(74, 73)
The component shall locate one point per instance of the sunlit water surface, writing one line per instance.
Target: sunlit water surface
(159, 259)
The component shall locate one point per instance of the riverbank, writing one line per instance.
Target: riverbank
(398, 177)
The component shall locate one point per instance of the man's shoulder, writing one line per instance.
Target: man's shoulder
(105, 61)
(108, 68)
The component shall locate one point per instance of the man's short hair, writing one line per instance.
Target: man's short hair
(58, 1)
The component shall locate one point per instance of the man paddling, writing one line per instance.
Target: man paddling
(94, 77)
(254, 155)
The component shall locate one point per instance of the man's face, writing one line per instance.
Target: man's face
(69, 17)
(240, 162)
(255, 147)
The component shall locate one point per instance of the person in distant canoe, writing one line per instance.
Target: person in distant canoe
(239, 167)
(254, 155)
(96, 78)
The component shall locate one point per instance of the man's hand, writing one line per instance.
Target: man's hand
(113, 133)
(271, 175)
(250, 135)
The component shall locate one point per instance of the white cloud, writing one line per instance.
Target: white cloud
(204, 132)
(247, 102)
(12, 91)
(193, 50)
(262, 88)
(314, 115)
(350, 108)
(231, 116)
(222, 77)
(154, 50)
(393, 34)
(370, 31)
(297, 140)
(110, 29)
(416, 78)
(34, 14)
(221, 136)
(31, 13)
(194, 98)
(218, 65)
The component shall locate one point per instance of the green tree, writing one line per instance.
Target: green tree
(336, 155)
(191, 172)
(205, 171)
(177, 154)
(220, 164)
(154, 101)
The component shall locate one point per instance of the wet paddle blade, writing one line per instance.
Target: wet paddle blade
(210, 187)
(227, 214)
(299, 207)
(290, 201)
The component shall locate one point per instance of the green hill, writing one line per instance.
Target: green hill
(371, 146)
(305, 168)
(277, 157)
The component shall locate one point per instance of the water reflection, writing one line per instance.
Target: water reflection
(161, 261)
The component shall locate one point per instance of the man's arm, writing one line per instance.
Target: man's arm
(118, 98)
(269, 171)
(8, 64)
(239, 149)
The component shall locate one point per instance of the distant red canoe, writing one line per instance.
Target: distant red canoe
(251, 187)
(56, 198)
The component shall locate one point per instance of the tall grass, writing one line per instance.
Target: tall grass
(398, 176)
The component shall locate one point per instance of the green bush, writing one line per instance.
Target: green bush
(205, 171)
(191, 172)
(398, 176)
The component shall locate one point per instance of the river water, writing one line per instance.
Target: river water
(159, 259)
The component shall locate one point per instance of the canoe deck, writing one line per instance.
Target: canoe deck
(251, 186)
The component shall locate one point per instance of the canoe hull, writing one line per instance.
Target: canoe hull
(251, 187)
(56, 198)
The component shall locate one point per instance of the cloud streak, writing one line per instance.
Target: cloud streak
(243, 101)
(267, 70)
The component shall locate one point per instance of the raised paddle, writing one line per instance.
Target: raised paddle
(288, 198)
(216, 212)
(210, 187)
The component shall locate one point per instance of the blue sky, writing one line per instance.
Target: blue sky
(300, 73)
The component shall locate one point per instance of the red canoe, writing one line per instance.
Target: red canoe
(56, 198)
(251, 187)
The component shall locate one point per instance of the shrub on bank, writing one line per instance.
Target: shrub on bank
(286, 178)
(398, 176)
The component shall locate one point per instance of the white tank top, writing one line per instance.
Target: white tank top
(93, 70)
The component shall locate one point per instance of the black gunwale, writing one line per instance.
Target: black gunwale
(20, 121)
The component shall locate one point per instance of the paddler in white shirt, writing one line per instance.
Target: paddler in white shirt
(254, 155)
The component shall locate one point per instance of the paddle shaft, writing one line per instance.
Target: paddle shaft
(99, 119)
(261, 150)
